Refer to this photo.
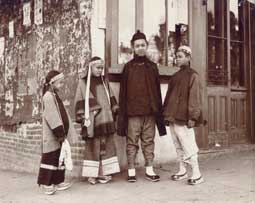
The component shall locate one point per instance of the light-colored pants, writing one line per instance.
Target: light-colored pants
(184, 141)
(142, 127)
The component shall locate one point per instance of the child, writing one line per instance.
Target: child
(140, 107)
(182, 112)
(95, 109)
(57, 125)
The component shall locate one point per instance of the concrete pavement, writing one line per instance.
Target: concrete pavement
(229, 178)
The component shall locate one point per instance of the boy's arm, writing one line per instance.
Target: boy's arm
(194, 103)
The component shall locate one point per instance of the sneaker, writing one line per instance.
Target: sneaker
(131, 179)
(178, 177)
(196, 181)
(63, 186)
(153, 178)
(92, 180)
(104, 179)
(49, 190)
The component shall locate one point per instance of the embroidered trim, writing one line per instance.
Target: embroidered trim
(50, 167)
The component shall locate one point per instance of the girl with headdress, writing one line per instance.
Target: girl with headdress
(95, 110)
(57, 125)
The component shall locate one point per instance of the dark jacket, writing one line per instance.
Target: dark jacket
(153, 85)
(183, 98)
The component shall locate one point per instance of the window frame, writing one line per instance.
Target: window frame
(229, 41)
(112, 22)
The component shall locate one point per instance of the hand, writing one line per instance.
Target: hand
(95, 112)
(115, 109)
(191, 123)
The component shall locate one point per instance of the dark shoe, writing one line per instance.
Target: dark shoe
(131, 179)
(195, 181)
(179, 177)
(153, 178)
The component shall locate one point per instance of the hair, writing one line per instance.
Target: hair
(49, 76)
(95, 58)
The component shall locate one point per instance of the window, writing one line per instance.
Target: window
(165, 23)
(237, 21)
(217, 42)
(218, 39)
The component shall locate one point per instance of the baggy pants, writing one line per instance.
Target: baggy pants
(184, 141)
(142, 127)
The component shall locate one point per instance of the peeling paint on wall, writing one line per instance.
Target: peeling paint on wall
(61, 42)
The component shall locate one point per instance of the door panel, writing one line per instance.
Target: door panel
(218, 115)
(238, 129)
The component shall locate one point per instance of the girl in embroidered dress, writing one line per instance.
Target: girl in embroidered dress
(95, 110)
(56, 125)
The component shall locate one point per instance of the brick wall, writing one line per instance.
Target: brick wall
(20, 149)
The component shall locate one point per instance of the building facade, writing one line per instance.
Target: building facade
(39, 35)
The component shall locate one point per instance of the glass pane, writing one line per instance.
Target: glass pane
(217, 61)
(177, 27)
(236, 20)
(126, 29)
(155, 29)
(237, 64)
(217, 17)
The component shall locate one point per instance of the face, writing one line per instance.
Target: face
(97, 70)
(58, 84)
(182, 59)
(140, 47)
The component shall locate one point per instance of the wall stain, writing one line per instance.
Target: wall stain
(62, 42)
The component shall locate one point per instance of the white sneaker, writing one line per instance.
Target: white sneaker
(92, 180)
(196, 181)
(104, 179)
(49, 190)
(63, 186)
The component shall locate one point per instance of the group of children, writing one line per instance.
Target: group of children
(140, 109)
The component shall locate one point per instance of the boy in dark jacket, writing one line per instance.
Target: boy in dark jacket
(140, 107)
(182, 112)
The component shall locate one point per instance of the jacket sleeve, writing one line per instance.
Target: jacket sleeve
(79, 104)
(194, 104)
(160, 119)
(52, 116)
(122, 121)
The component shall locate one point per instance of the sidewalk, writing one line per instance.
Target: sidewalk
(229, 178)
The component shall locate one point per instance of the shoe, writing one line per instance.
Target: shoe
(153, 178)
(92, 180)
(104, 179)
(63, 186)
(131, 179)
(49, 190)
(177, 177)
(196, 181)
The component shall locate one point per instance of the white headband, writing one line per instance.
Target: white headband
(96, 62)
(57, 77)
